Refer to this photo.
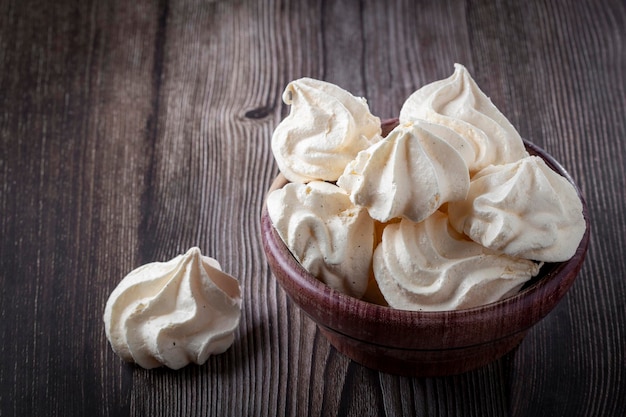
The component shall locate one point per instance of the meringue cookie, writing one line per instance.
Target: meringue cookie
(326, 127)
(458, 103)
(523, 209)
(173, 313)
(326, 233)
(428, 266)
(410, 174)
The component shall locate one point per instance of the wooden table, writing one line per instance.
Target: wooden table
(131, 131)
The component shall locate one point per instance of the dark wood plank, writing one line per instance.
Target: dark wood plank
(132, 131)
(75, 105)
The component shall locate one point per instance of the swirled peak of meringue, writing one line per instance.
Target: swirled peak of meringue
(326, 233)
(325, 129)
(410, 174)
(173, 313)
(429, 266)
(523, 209)
(458, 103)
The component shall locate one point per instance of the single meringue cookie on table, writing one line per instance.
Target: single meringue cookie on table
(325, 129)
(428, 266)
(458, 103)
(173, 313)
(523, 209)
(409, 174)
(330, 237)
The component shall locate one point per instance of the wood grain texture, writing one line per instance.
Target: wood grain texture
(130, 131)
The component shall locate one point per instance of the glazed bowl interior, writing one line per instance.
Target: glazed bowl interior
(423, 343)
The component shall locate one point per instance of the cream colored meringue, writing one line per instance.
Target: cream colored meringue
(523, 209)
(173, 313)
(428, 266)
(409, 174)
(326, 127)
(458, 103)
(326, 233)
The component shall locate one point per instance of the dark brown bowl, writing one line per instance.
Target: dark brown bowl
(423, 343)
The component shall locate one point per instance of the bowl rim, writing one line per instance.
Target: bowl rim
(544, 293)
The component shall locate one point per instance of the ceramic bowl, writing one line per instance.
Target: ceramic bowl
(423, 343)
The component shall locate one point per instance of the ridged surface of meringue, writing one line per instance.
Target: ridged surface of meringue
(325, 129)
(409, 174)
(429, 266)
(326, 233)
(523, 209)
(173, 313)
(458, 103)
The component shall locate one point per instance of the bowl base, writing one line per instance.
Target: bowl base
(421, 363)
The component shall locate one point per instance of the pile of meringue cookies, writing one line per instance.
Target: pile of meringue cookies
(448, 211)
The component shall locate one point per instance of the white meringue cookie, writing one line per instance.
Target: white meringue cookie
(173, 313)
(458, 103)
(428, 266)
(523, 209)
(326, 127)
(410, 174)
(326, 233)
(462, 145)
